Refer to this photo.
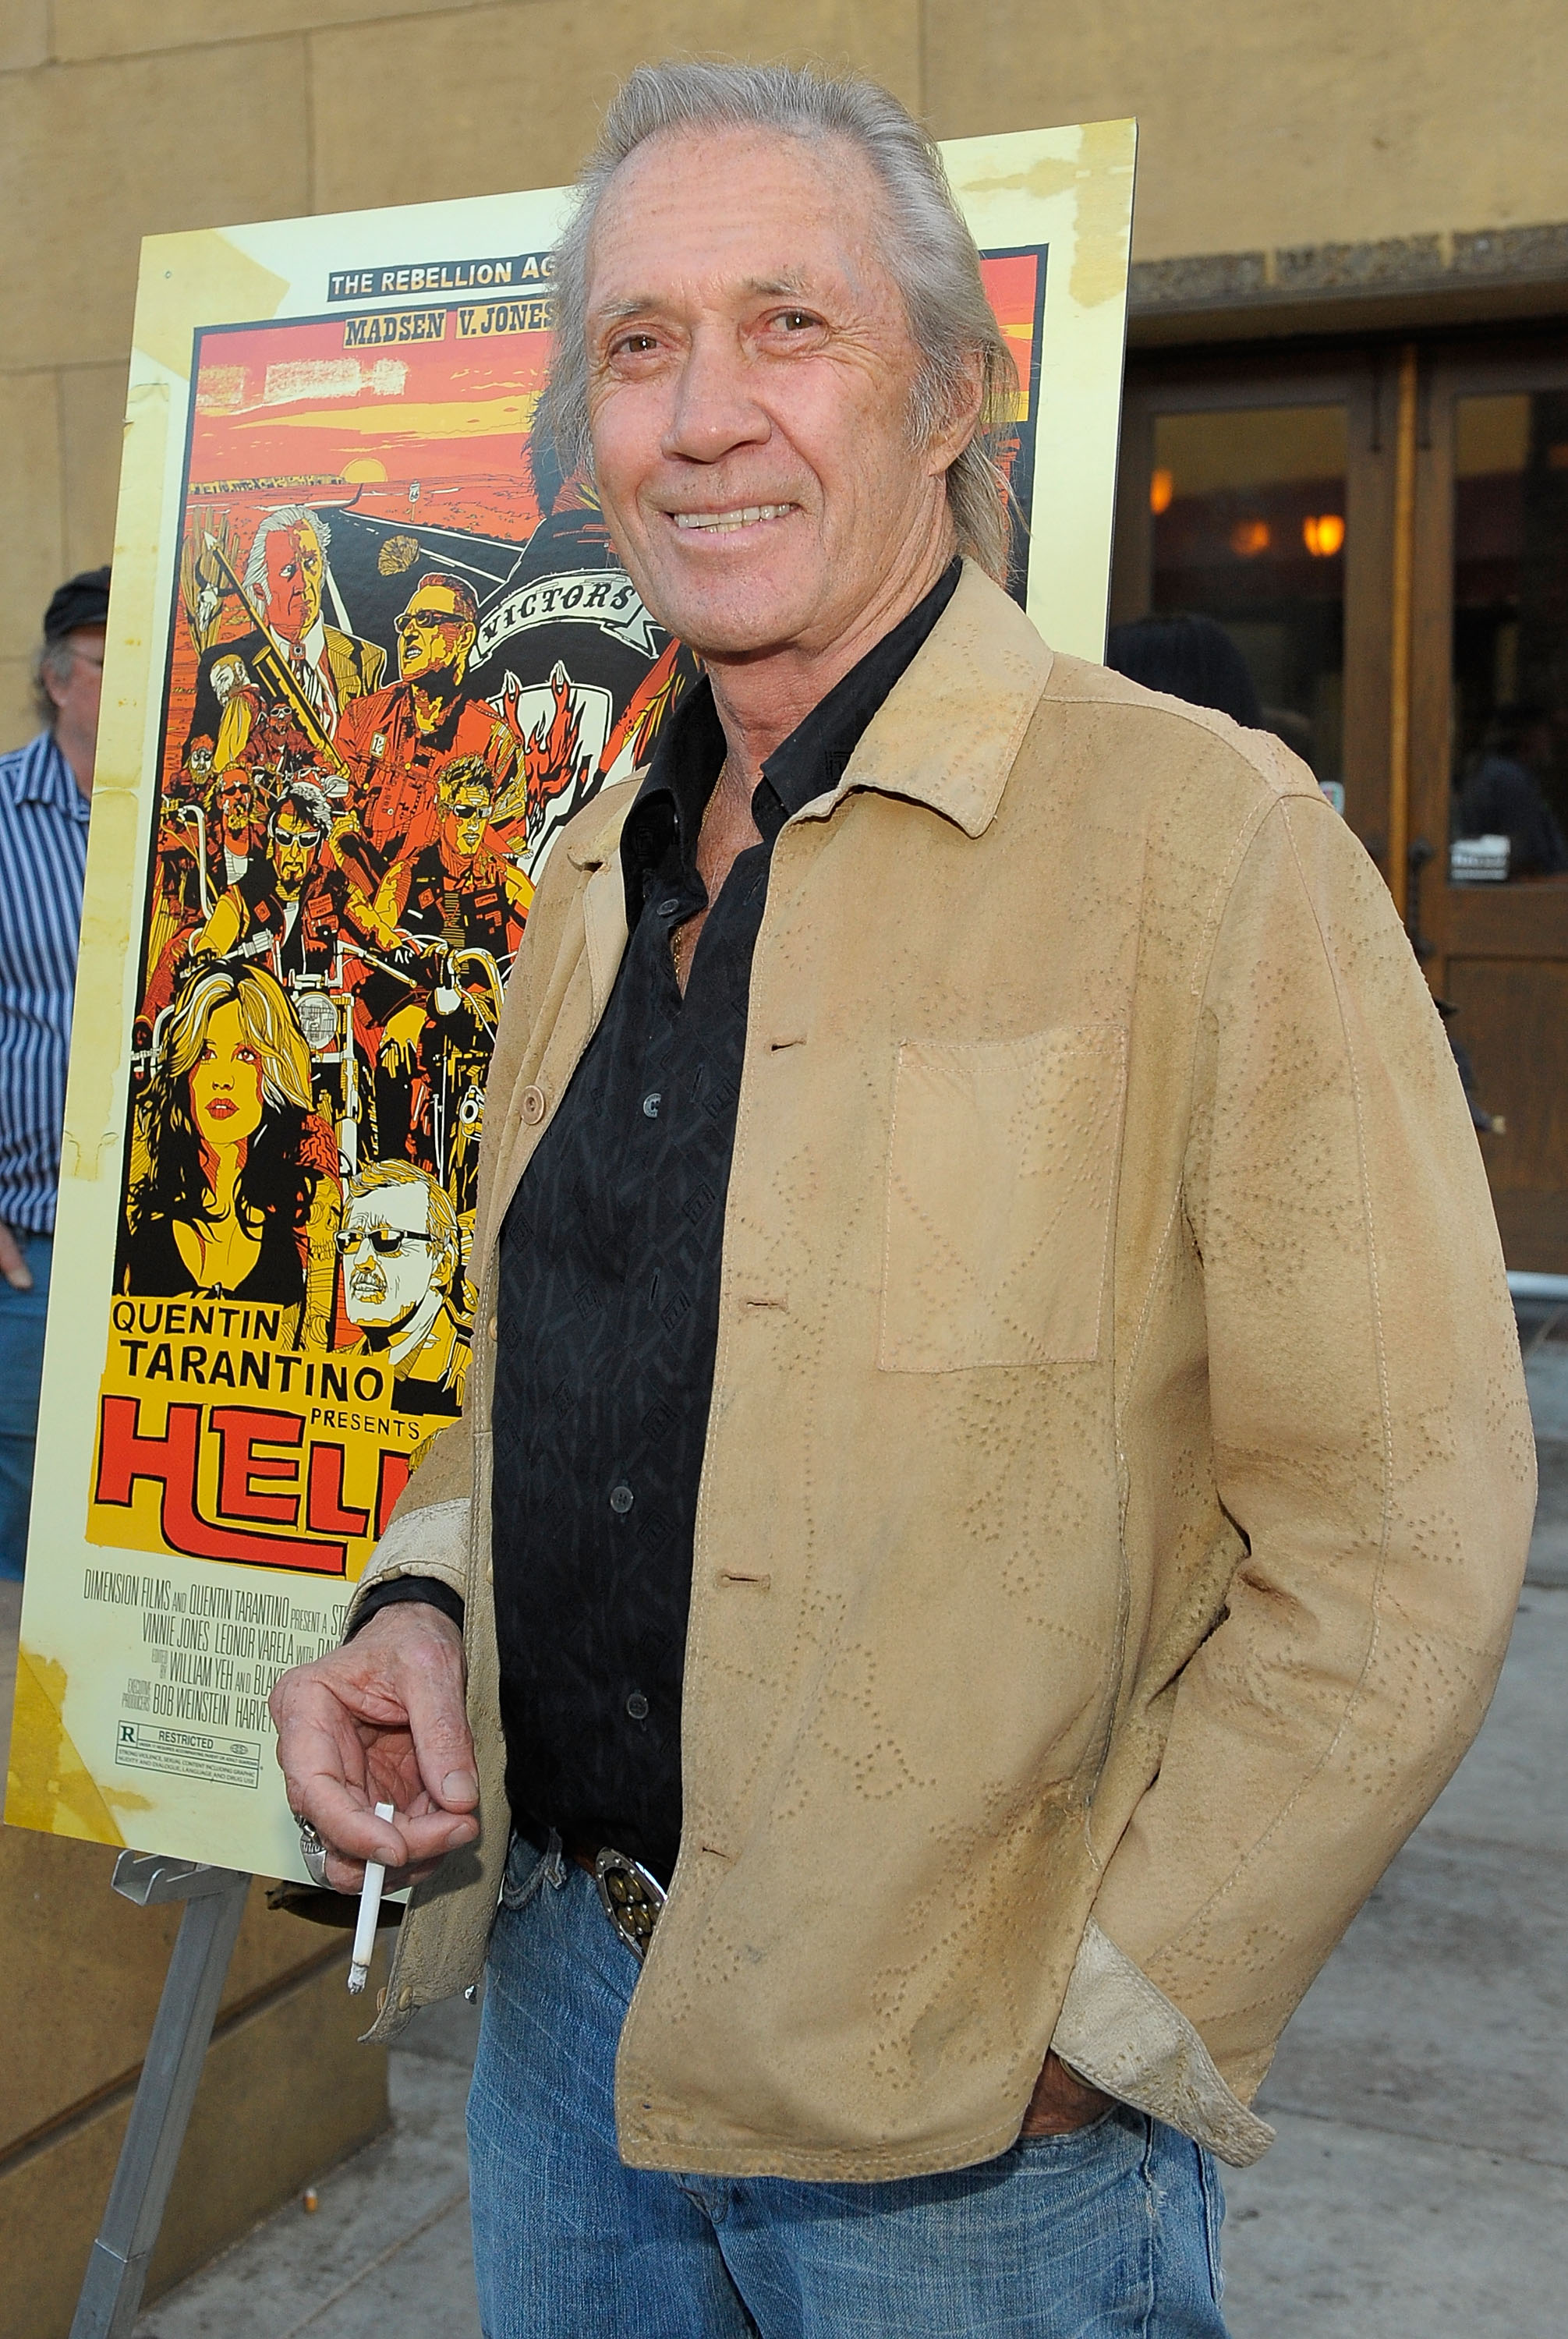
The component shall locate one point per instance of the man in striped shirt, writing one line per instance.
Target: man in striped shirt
(44, 792)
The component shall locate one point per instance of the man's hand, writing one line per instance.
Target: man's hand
(12, 1266)
(382, 1721)
(1061, 2101)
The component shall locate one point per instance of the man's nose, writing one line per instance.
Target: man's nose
(715, 407)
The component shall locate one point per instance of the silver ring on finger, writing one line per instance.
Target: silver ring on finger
(312, 1850)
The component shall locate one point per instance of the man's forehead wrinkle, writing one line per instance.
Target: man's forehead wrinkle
(788, 283)
(843, 210)
(845, 281)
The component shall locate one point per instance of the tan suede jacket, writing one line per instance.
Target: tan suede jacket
(1119, 1473)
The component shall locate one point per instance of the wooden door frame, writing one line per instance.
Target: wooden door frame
(1363, 379)
(1463, 921)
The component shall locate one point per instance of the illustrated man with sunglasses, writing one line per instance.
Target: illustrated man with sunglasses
(396, 741)
(402, 1251)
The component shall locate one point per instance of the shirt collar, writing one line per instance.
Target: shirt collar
(313, 643)
(42, 775)
(809, 763)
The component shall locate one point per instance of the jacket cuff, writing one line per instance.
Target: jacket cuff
(399, 1591)
(432, 1542)
(1121, 2033)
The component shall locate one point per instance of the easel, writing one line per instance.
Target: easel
(214, 1901)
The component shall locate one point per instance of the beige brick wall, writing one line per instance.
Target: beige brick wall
(1265, 123)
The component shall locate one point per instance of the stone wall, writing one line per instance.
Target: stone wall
(1268, 128)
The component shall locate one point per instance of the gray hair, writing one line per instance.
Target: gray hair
(442, 1222)
(287, 515)
(55, 656)
(930, 252)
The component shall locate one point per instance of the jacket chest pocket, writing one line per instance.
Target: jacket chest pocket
(1001, 1168)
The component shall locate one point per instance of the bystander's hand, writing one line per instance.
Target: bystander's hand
(382, 1721)
(1061, 2101)
(12, 1266)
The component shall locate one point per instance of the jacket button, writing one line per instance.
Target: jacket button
(621, 1500)
(533, 1106)
(493, 1326)
(637, 1706)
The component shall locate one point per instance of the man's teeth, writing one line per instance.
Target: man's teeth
(718, 522)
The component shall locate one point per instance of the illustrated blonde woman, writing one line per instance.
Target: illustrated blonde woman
(234, 1192)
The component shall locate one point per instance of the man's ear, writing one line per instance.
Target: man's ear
(959, 424)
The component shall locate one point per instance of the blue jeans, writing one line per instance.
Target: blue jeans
(1113, 2229)
(21, 1370)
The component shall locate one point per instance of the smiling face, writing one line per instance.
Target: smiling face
(751, 369)
(294, 577)
(226, 1082)
(388, 1261)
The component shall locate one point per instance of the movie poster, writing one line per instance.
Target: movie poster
(369, 650)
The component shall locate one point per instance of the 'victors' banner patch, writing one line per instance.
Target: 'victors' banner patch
(369, 651)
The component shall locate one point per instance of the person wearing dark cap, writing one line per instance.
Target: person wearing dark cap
(44, 792)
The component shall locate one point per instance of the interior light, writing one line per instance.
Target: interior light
(1249, 537)
(1161, 487)
(1323, 535)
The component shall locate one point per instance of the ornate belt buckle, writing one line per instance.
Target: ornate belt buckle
(632, 1899)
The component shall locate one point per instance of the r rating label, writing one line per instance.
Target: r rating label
(190, 1754)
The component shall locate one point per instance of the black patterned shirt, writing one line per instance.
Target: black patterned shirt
(609, 1296)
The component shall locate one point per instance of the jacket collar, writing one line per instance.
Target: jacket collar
(947, 733)
(597, 846)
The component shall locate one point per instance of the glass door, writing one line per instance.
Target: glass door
(1489, 765)
(1260, 497)
(1248, 507)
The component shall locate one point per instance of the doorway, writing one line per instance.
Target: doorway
(1383, 531)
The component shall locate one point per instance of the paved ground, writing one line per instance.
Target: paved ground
(386, 2255)
(1418, 2190)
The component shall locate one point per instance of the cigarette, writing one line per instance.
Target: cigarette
(369, 1910)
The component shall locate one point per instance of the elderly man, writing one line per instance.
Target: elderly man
(402, 1255)
(284, 579)
(996, 1471)
(46, 790)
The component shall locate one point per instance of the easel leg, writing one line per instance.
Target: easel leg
(215, 1903)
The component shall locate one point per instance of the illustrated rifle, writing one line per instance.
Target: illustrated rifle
(274, 671)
